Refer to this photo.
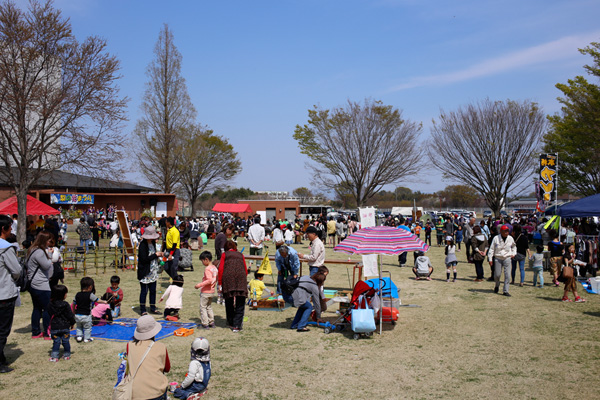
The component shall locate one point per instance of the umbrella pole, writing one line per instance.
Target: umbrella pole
(380, 298)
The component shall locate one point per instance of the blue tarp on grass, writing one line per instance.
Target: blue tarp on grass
(122, 329)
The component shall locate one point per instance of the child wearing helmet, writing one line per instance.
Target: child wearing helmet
(195, 383)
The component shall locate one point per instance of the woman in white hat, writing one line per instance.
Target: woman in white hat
(148, 361)
(148, 269)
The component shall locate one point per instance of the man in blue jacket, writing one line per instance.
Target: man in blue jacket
(288, 264)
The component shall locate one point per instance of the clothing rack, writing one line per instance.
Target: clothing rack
(586, 236)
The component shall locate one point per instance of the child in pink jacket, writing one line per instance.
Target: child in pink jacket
(209, 281)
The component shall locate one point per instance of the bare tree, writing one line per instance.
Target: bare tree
(365, 146)
(489, 145)
(207, 160)
(59, 102)
(167, 111)
(306, 196)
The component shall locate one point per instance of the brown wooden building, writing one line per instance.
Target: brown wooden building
(280, 209)
(134, 198)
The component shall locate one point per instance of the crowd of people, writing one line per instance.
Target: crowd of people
(162, 244)
(505, 243)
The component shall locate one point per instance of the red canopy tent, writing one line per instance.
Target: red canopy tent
(232, 208)
(34, 207)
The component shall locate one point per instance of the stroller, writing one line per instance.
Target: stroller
(362, 294)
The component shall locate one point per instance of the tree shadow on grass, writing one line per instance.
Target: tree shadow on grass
(25, 329)
(220, 322)
(592, 313)
(491, 290)
(283, 324)
(12, 352)
(555, 299)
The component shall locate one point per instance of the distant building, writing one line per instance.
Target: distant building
(65, 189)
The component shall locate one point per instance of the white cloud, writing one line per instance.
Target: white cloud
(560, 49)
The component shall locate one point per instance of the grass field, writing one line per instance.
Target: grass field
(463, 342)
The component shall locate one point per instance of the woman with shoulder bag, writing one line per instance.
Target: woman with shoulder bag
(522, 243)
(567, 275)
(147, 361)
(39, 272)
(148, 269)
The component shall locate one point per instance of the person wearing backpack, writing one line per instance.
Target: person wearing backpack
(10, 271)
(39, 272)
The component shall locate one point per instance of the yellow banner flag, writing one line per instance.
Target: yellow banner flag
(265, 266)
(554, 223)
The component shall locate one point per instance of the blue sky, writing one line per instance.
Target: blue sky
(254, 68)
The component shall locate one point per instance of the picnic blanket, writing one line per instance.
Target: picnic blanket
(588, 287)
(122, 329)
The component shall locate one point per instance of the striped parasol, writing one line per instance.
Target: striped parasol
(385, 240)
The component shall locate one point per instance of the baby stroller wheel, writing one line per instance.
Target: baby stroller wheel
(327, 330)
(369, 334)
(341, 327)
(356, 336)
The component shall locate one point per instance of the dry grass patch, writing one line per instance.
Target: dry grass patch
(464, 342)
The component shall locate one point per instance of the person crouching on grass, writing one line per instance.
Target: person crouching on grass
(196, 380)
(174, 294)
(256, 287)
(423, 267)
(309, 288)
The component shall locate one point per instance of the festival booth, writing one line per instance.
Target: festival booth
(585, 208)
(232, 208)
(34, 207)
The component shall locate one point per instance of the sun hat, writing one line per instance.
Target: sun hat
(312, 229)
(150, 233)
(146, 328)
(448, 237)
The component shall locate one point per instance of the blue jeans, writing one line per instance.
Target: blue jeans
(60, 336)
(538, 271)
(84, 326)
(313, 270)
(161, 397)
(84, 244)
(521, 269)
(195, 387)
(301, 319)
(41, 300)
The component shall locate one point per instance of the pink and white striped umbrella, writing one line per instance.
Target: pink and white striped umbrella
(385, 240)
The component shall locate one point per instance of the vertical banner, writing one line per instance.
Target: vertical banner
(548, 176)
(367, 220)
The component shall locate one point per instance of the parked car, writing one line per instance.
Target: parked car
(487, 213)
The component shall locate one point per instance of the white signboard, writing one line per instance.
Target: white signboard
(263, 217)
(161, 209)
(367, 220)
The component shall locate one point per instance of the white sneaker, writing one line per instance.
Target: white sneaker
(88, 340)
